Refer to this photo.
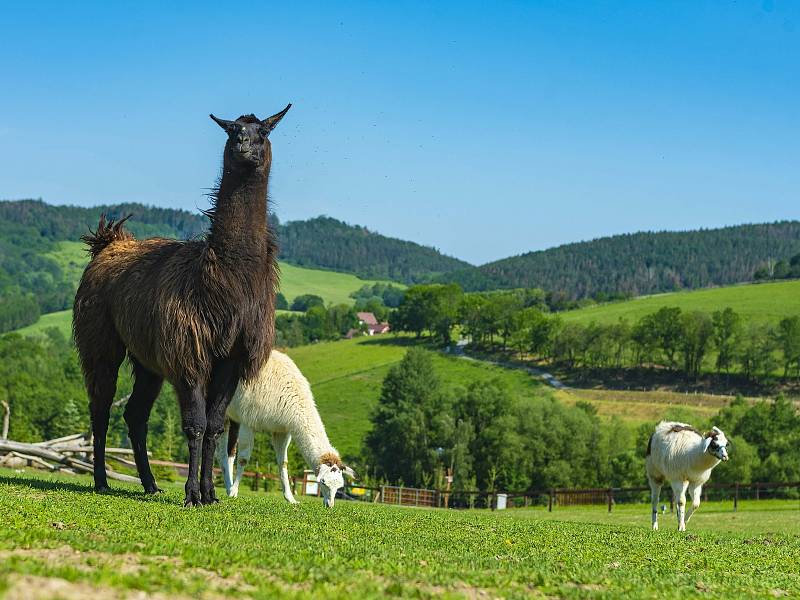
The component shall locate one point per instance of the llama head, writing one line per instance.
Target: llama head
(716, 444)
(330, 475)
(248, 144)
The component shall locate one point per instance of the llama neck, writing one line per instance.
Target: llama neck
(703, 460)
(312, 440)
(239, 215)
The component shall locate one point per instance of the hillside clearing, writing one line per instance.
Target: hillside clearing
(766, 302)
(58, 535)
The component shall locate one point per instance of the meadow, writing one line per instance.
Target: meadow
(765, 302)
(59, 539)
(346, 378)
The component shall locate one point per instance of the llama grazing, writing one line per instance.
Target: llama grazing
(197, 313)
(279, 400)
(684, 457)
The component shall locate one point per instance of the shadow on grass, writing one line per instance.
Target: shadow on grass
(403, 341)
(68, 486)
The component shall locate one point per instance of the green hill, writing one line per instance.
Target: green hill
(346, 378)
(326, 243)
(641, 263)
(333, 287)
(755, 302)
(41, 258)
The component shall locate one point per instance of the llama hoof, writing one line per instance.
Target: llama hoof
(102, 489)
(192, 499)
(152, 491)
(655, 526)
(209, 497)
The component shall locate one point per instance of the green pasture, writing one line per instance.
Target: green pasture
(59, 539)
(768, 302)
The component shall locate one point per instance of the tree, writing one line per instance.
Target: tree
(413, 314)
(280, 302)
(697, 331)
(668, 332)
(304, 302)
(727, 326)
(789, 338)
(409, 422)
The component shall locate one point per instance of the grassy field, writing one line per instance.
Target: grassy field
(346, 378)
(333, 287)
(763, 302)
(58, 539)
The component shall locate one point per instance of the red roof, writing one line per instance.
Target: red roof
(367, 317)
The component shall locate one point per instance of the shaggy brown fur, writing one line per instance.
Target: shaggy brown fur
(198, 313)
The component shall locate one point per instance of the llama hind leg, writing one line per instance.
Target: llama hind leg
(655, 493)
(280, 442)
(146, 388)
(226, 452)
(243, 453)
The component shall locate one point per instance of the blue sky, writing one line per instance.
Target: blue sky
(484, 129)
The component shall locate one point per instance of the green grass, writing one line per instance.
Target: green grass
(346, 378)
(57, 535)
(768, 302)
(333, 287)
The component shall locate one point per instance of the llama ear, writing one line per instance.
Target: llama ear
(271, 122)
(226, 125)
(707, 443)
(349, 472)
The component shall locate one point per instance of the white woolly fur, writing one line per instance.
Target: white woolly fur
(279, 400)
(680, 455)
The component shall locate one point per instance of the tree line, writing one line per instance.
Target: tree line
(491, 442)
(688, 342)
(782, 269)
(640, 263)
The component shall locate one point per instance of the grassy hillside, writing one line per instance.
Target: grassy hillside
(346, 378)
(58, 539)
(762, 302)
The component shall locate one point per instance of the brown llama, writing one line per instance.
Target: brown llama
(197, 313)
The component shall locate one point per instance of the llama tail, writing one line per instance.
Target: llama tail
(106, 232)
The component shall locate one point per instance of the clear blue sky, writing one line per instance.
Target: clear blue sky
(485, 130)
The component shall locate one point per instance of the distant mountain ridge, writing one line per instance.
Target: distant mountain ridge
(641, 263)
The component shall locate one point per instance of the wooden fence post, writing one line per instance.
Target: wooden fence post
(610, 494)
(736, 498)
(256, 479)
(756, 484)
(550, 501)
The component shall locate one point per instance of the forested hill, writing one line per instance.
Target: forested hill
(326, 243)
(641, 263)
(71, 222)
(37, 277)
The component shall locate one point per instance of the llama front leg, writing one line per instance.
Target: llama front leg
(695, 492)
(243, 452)
(280, 442)
(224, 379)
(655, 493)
(192, 400)
(679, 491)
